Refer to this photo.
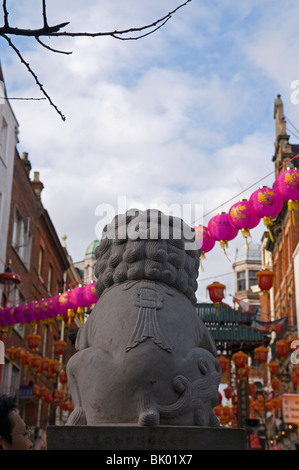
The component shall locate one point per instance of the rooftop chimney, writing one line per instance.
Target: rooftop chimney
(26, 163)
(37, 184)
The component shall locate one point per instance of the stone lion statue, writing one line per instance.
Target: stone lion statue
(144, 356)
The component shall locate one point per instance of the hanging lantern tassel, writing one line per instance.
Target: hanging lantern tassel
(224, 245)
(245, 234)
(268, 222)
(205, 240)
(80, 312)
(292, 207)
(70, 315)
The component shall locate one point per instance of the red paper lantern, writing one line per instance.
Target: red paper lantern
(228, 392)
(261, 354)
(11, 353)
(221, 229)
(218, 410)
(33, 341)
(35, 362)
(242, 218)
(251, 389)
(45, 364)
(265, 280)
(286, 186)
(25, 359)
(36, 390)
(224, 363)
(216, 292)
(54, 366)
(20, 353)
(281, 348)
(65, 405)
(240, 359)
(265, 203)
(63, 377)
(273, 367)
(47, 397)
(243, 372)
(275, 382)
(269, 405)
(59, 347)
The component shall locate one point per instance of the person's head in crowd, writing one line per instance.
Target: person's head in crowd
(14, 434)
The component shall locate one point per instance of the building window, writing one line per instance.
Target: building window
(50, 273)
(252, 278)
(40, 261)
(21, 238)
(10, 378)
(241, 280)
(3, 139)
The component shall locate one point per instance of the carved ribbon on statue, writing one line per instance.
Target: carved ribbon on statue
(148, 297)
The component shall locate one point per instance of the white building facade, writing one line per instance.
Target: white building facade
(9, 129)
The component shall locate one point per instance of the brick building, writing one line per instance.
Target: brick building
(33, 251)
(36, 254)
(284, 248)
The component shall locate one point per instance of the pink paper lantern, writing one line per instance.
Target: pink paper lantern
(10, 316)
(29, 312)
(3, 316)
(286, 186)
(64, 303)
(204, 239)
(221, 229)
(90, 295)
(19, 314)
(37, 310)
(77, 297)
(265, 203)
(53, 304)
(241, 217)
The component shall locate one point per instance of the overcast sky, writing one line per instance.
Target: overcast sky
(183, 117)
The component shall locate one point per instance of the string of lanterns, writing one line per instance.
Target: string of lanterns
(244, 215)
(264, 203)
(258, 403)
(50, 369)
(62, 307)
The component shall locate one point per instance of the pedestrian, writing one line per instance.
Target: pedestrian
(14, 434)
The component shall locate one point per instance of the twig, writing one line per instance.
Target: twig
(51, 48)
(34, 76)
(5, 14)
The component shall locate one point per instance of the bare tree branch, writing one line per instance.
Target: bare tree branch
(55, 31)
(34, 76)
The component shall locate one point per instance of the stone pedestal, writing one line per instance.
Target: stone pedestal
(134, 437)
